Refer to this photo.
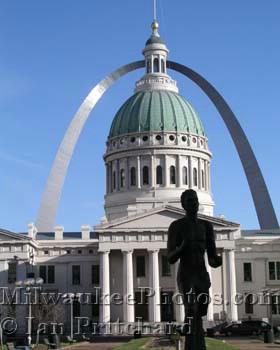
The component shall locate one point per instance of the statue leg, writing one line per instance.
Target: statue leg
(195, 340)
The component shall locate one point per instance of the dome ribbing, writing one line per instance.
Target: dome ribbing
(158, 110)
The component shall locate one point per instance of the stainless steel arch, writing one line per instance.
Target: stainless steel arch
(262, 201)
(50, 200)
(51, 196)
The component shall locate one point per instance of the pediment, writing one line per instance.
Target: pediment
(159, 219)
(11, 236)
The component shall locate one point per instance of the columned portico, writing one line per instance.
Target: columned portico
(128, 291)
(154, 300)
(105, 286)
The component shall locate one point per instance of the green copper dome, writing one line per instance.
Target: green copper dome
(157, 110)
(154, 40)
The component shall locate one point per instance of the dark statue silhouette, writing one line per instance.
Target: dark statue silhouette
(188, 239)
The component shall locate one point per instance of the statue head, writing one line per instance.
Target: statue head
(189, 201)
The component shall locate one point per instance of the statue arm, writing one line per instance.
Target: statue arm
(173, 251)
(213, 258)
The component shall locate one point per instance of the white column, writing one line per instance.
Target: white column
(210, 313)
(225, 284)
(153, 180)
(128, 291)
(126, 171)
(232, 277)
(190, 172)
(209, 177)
(199, 173)
(117, 175)
(21, 309)
(154, 301)
(206, 175)
(179, 171)
(107, 178)
(138, 169)
(179, 307)
(105, 287)
(166, 171)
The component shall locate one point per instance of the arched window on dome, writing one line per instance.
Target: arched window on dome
(145, 171)
(162, 65)
(172, 175)
(156, 65)
(132, 176)
(122, 178)
(202, 179)
(149, 66)
(114, 180)
(195, 180)
(159, 175)
(185, 175)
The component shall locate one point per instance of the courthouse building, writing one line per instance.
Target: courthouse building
(156, 148)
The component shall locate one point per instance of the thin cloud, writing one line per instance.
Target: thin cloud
(20, 161)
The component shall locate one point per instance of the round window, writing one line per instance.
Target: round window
(171, 138)
(145, 138)
(184, 138)
(132, 140)
(158, 137)
(194, 140)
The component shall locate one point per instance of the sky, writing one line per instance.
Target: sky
(52, 53)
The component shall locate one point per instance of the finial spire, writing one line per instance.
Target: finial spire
(155, 24)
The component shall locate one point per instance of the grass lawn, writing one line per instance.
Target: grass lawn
(134, 344)
(137, 344)
(214, 344)
(40, 346)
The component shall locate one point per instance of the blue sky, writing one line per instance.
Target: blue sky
(53, 52)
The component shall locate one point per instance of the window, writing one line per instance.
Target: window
(12, 272)
(149, 68)
(195, 181)
(51, 274)
(145, 175)
(122, 178)
(133, 177)
(47, 273)
(140, 266)
(159, 175)
(95, 274)
(185, 175)
(79, 251)
(172, 175)
(166, 271)
(202, 178)
(249, 307)
(247, 272)
(162, 65)
(114, 180)
(275, 305)
(43, 272)
(76, 308)
(95, 297)
(274, 270)
(76, 274)
(156, 65)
